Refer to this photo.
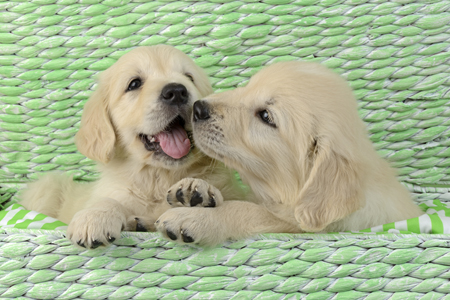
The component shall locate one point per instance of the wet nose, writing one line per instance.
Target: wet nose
(201, 110)
(175, 94)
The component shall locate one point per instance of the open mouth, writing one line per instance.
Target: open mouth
(174, 140)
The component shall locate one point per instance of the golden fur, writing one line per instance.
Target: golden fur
(295, 137)
(134, 181)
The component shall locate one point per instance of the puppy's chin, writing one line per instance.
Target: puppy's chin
(161, 160)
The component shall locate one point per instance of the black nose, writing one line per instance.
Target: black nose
(201, 110)
(174, 94)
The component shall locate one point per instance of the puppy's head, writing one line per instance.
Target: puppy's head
(141, 109)
(294, 135)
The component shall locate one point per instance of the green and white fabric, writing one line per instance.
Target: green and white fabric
(436, 220)
(16, 216)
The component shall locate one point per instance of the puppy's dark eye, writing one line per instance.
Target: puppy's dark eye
(189, 75)
(134, 84)
(267, 118)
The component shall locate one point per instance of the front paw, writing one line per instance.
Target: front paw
(142, 224)
(91, 228)
(196, 225)
(192, 192)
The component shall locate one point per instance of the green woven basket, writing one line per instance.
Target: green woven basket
(396, 56)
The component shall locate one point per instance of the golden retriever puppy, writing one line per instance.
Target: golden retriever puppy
(294, 135)
(137, 126)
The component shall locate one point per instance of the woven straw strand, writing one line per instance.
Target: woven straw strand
(394, 54)
(274, 268)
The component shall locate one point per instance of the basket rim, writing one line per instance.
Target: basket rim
(267, 236)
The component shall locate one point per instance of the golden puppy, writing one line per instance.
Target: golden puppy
(294, 135)
(137, 126)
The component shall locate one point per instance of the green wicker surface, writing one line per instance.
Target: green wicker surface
(44, 265)
(396, 56)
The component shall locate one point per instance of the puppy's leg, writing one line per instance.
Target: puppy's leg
(140, 223)
(47, 194)
(212, 226)
(188, 192)
(192, 192)
(98, 225)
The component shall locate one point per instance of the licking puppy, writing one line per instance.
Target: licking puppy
(137, 126)
(295, 137)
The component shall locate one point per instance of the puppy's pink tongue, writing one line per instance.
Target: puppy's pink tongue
(174, 143)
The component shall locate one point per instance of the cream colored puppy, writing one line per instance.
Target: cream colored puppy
(294, 135)
(137, 126)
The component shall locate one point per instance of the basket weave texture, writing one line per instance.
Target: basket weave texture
(396, 56)
(44, 265)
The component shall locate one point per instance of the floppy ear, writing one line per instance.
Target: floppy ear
(203, 84)
(96, 136)
(332, 191)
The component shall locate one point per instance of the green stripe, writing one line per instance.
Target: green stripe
(18, 216)
(436, 224)
(413, 225)
(423, 207)
(15, 206)
(24, 224)
(388, 226)
(441, 206)
(3, 214)
(53, 225)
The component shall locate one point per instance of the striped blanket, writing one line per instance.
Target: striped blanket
(17, 216)
(435, 220)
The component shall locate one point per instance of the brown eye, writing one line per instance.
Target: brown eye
(134, 84)
(188, 75)
(267, 118)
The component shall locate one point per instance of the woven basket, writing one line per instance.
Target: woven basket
(396, 56)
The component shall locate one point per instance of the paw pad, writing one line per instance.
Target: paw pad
(212, 202)
(171, 235)
(194, 192)
(186, 238)
(96, 244)
(179, 195)
(196, 198)
(139, 226)
(111, 239)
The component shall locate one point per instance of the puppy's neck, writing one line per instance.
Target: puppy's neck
(270, 190)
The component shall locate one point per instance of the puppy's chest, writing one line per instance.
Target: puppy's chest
(149, 193)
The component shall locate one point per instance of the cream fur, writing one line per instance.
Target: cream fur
(133, 181)
(315, 171)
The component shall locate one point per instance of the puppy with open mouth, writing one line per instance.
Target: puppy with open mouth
(137, 126)
(295, 137)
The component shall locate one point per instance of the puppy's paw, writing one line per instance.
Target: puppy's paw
(192, 192)
(195, 225)
(91, 228)
(142, 224)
